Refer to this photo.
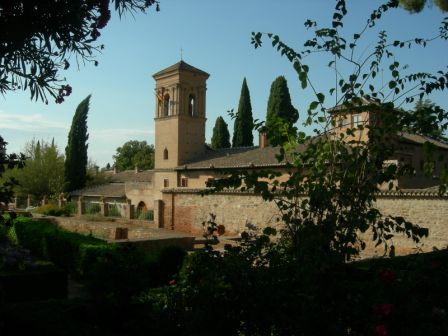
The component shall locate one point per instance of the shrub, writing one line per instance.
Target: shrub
(146, 215)
(47, 241)
(96, 217)
(112, 272)
(92, 208)
(113, 211)
(53, 210)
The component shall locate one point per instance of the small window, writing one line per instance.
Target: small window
(165, 154)
(184, 182)
(209, 181)
(356, 120)
(166, 105)
(166, 183)
(192, 105)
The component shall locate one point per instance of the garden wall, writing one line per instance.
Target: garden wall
(185, 210)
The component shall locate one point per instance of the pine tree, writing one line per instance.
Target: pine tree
(244, 122)
(221, 135)
(280, 111)
(76, 150)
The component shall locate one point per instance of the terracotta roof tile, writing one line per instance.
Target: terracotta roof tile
(243, 157)
(131, 176)
(109, 190)
(421, 139)
(180, 66)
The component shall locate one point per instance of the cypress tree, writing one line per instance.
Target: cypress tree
(244, 122)
(221, 135)
(76, 150)
(280, 111)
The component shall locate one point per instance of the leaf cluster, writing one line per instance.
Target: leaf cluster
(39, 39)
(328, 198)
(134, 154)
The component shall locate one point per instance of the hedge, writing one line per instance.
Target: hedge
(115, 272)
(47, 241)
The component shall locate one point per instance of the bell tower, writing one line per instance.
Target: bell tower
(179, 115)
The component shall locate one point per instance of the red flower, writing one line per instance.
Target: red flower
(388, 276)
(382, 310)
(381, 330)
(172, 282)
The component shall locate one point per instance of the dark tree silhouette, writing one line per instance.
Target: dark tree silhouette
(76, 150)
(244, 122)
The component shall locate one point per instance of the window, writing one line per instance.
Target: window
(192, 105)
(342, 121)
(165, 154)
(356, 120)
(209, 180)
(166, 183)
(166, 105)
(184, 182)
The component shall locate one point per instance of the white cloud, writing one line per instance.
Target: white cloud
(29, 123)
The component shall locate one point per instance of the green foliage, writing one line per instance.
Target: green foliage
(244, 122)
(262, 291)
(146, 215)
(329, 196)
(76, 150)
(281, 114)
(94, 176)
(133, 154)
(113, 210)
(43, 171)
(92, 208)
(51, 33)
(7, 162)
(416, 6)
(114, 273)
(47, 241)
(425, 119)
(221, 135)
(54, 210)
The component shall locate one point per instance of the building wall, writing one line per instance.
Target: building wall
(159, 181)
(181, 132)
(198, 178)
(185, 210)
(140, 192)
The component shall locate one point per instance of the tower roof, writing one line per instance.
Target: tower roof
(180, 66)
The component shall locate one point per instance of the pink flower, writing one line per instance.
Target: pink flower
(388, 276)
(381, 330)
(172, 282)
(382, 310)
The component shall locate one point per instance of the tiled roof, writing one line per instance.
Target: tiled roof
(131, 176)
(180, 66)
(248, 157)
(243, 157)
(364, 102)
(421, 139)
(109, 190)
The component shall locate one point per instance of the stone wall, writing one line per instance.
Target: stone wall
(102, 229)
(140, 192)
(185, 210)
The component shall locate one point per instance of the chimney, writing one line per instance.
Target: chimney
(262, 140)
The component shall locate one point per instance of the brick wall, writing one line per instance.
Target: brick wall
(186, 209)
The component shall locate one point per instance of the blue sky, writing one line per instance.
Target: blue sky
(215, 37)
